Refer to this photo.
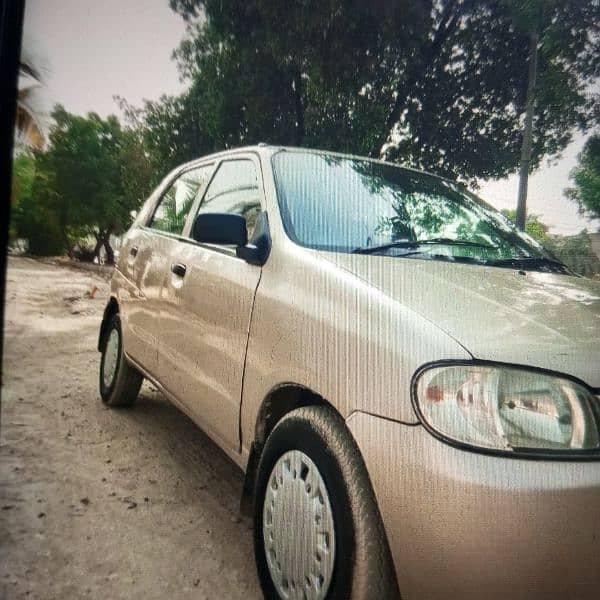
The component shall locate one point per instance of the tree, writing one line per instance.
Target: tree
(586, 177)
(524, 167)
(31, 219)
(22, 177)
(38, 224)
(27, 123)
(576, 252)
(555, 36)
(439, 85)
(533, 226)
(23, 173)
(93, 174)
(169, 131)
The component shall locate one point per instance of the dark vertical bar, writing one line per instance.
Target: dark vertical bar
(11, 28)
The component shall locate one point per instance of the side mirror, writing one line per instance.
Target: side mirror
(257, 250)
(220, 228)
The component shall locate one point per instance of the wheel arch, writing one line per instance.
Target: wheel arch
(111, 308)
(281, 400)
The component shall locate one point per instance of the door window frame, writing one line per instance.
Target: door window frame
(220, 248)
(165, 189)
(215, 162)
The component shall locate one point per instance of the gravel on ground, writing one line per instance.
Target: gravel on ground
(98, 503)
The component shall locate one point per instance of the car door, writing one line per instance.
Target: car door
(208, 306)
(147, 257)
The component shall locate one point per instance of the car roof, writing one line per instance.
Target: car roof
(268, 150)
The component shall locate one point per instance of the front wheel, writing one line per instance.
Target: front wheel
(120, 381)
(317, 529)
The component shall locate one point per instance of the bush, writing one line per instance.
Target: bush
(23, 173)
(39, 226)
(576, 252)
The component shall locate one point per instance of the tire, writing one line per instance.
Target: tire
(353, 563)
(123, 387)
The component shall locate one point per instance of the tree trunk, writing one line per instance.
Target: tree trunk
(101, 240)
(298, 106)
(110, 254)
(525, 163)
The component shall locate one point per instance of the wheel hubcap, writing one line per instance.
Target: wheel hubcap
(111, 354)
(298, 530)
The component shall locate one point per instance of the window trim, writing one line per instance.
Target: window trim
(254, 159)
(184, 237)
(167, 186)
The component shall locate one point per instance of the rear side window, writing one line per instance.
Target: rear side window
(234, 189)
(172, 211)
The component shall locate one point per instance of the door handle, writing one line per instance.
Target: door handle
(133, 251)
(179, 269)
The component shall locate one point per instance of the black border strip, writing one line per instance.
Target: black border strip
(11, 27)
(522, 453)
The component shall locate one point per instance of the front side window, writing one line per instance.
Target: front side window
(234, 189)
(171, 213)
(350, 205)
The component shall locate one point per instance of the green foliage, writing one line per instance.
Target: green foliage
(85, 162)
(38, 224)
(533, 226)
(31, 220)
(576, 252)
(137, 174)
(23, 173)
(22, 177)
(92, 176)
(586, 177)
(448, 78)
(171, 131)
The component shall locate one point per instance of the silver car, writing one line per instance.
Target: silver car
(409, 384)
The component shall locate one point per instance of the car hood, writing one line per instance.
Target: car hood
(544, 320)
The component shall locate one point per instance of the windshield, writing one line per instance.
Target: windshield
(351, 205)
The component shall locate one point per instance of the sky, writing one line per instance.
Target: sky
(90, 51)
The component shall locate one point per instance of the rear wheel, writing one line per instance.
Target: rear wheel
(317, 530)
(119, 380)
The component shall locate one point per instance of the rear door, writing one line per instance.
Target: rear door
(208, 306)
(147, 256)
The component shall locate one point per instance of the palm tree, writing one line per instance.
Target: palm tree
(28, 131)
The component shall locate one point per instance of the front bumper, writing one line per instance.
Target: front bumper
(466, 525)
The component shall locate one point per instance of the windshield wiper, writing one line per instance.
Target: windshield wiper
(532, 263)
(417, 243)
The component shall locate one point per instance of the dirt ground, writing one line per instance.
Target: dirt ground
(99, 503)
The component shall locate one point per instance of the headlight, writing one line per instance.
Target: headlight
(506, 408)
